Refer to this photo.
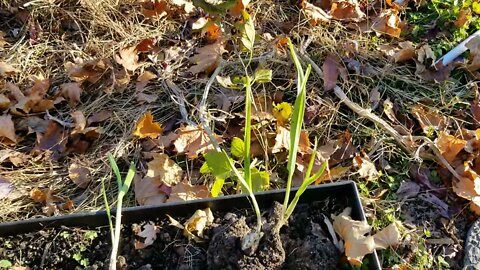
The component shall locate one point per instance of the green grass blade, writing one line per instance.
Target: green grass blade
(107, 209)
(296, 124)
(308, 181)
(115, 169)
(128, 179)
(312, 160)
(247, 139)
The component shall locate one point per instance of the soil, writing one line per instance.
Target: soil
(302, 244)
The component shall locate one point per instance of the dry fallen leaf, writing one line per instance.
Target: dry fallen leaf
(463, 17)
(449, 145)
(7, 70)
(183, 191)
(366, 168)
(146, 128)
(33, 99)
(404, 52)
(193, 141)
(282, 141)
(331, 69)
(5, 187)
(468, 186)
(389, 236)
(14, 157)
(99, 117)
(429, 120)
(4, 102)
(193, 228)
(314, 14)
(45, 196)
(346, 10)
(7, 130)
(388, 23)
(72, 92)
(149, 233)
(143, 80)
(353, 233)
(79, 174)
(165, 170)
(148, 191)
(357, 244)
(239, 6)
(90, 71)
(207, 57)
(53, 141)
(155, 9)
(144, 97)
(128, 58)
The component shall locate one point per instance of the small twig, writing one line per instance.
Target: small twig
(438, 155)
(179, 99)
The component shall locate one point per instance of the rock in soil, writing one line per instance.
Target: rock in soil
(471, 260)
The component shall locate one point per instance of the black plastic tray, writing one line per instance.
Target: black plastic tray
(344, 189)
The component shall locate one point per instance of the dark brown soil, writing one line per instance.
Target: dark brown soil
(302, 244)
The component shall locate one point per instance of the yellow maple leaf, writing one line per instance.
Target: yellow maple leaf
(147, 128)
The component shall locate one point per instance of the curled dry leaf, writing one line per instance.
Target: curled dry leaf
(468, 186)
(79, 174)
(72, 92)
(207, 57)
(146, 128)
(45, 196)
(331, 69)
(366, 168)
(389, 236)
(128, 58)
(99, 117)
(14, 157)
(5, 187)
(53, 141)
(193, 228)
(429, 120)
(408, 190)
(357, 244)
(148, 233)
(7, 130)
(90, 71)
(282, 141)
(148, 191)
(404, 52)
(4, 102)
(164, 170)
(34, 100)
(184, 191)
(353, 233)
(314, 14)
(239, 6)
(155, 9)
(463, 17)
(347, 10)
(7, 70)
(449, 145)
(193, 141)
(388, 23)
(143, 80)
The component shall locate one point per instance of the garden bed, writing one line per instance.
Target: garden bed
(84, 240)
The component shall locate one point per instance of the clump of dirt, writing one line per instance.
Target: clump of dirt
(269, 255)
(303, 240)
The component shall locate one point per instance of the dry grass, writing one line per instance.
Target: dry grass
(98, 29)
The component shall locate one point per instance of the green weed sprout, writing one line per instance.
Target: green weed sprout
(295, 131)
(123, 187)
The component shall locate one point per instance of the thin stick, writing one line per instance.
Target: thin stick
(180, 100)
